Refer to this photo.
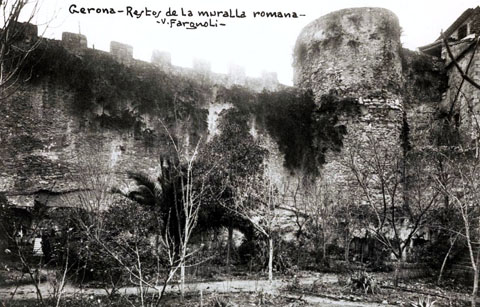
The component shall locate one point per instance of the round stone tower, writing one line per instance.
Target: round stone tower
(354, 52)
(353, 55)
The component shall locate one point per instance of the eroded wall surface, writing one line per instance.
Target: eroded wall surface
(79, 112)
(354, 55)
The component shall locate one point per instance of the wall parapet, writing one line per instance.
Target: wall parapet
(161, 58)
(73, 41)
(121, 52)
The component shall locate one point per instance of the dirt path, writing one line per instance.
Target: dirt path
(226, 286)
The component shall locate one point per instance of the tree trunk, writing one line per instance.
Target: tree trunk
(323, 239)
(324, 246)
(452, 243)
(475, 262)
(182, 280)
(270, 259)
(229, 246)
(362, 247)
(475, 287)
(475, 279)
(398, 269)
(347, 250)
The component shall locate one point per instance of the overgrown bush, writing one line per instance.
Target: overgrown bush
(433, 252)
(7, 227)
(101, 246)
(216, 300)
(425, 77)
(255, 254)
(379, 262)
(365, 282)
(303, 130)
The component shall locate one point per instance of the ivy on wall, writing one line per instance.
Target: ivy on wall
(113, 95)
(116, 96)
(303, 130)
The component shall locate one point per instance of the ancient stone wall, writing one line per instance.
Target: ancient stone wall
(426, 82)
(45, 147)
(79, 109)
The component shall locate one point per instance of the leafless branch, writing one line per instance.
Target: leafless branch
(454, 61)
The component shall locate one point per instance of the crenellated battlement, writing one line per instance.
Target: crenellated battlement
(73, 41)
(123, 53)
(161, 58)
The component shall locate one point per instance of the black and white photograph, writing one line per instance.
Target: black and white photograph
(239, 153)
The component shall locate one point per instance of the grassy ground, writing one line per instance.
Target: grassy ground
(406, 294)
(333, 287)
(206, 300)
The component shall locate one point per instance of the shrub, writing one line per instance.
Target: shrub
(364, 281)
(255, 253)
(218, 301)
(293, 285)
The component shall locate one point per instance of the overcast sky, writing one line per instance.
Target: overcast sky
(258, 44)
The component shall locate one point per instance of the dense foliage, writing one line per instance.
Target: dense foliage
(425, 77)
(303, 130)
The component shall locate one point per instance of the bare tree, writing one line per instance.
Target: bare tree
(314, 212)
(463, 73)
(397, 210)
(191, 191)
(464, 193)
(17, 41)
(349, 217)
(34, 258)
(18, 234)
(150, 244)
(462, 160)
(257, 199)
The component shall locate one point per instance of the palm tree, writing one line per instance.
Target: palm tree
(163, 195)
